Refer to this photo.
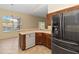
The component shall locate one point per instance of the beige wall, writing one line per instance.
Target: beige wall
(56, 7)
(27, 22)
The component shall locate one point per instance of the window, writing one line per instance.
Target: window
(10, 23)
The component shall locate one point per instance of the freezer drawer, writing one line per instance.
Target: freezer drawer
(60, 50)
(74, 46)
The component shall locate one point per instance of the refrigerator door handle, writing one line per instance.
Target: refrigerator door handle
(65, 49)
(60, 25)
(63, 26)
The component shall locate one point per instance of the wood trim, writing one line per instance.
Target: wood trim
(76, 7)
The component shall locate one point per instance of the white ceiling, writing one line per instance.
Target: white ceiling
(40, 10)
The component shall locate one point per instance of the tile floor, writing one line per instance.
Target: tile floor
(10, 46)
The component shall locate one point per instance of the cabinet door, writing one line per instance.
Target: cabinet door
(38, 38)
(44, 40)
(48, 21)
(22, 41)
(47, 39)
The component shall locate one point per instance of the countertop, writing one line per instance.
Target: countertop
(26, 31)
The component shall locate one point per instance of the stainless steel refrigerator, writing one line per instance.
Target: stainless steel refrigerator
(65, 33)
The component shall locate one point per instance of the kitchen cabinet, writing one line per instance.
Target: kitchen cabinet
(29, 40)
(22, 41)
(48, 21)
(39, 38)
(47, 40)
(43, 39)
(26, 40)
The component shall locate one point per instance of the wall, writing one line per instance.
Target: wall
(27, 22)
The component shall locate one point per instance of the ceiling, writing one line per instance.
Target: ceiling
(40, 10)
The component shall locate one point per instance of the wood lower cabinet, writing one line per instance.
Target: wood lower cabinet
(43, 39)
(38, 38)
(47, 40)
(22, 41)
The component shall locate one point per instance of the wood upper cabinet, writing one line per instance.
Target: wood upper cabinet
(38, 38)
(22, 41)
(48, 21)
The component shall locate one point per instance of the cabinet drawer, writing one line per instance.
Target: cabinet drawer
(38, 38)
(38, 34)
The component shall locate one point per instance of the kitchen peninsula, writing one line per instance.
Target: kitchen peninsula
(30, 38)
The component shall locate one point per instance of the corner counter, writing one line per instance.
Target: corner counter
(41, 37)
(34, 31)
